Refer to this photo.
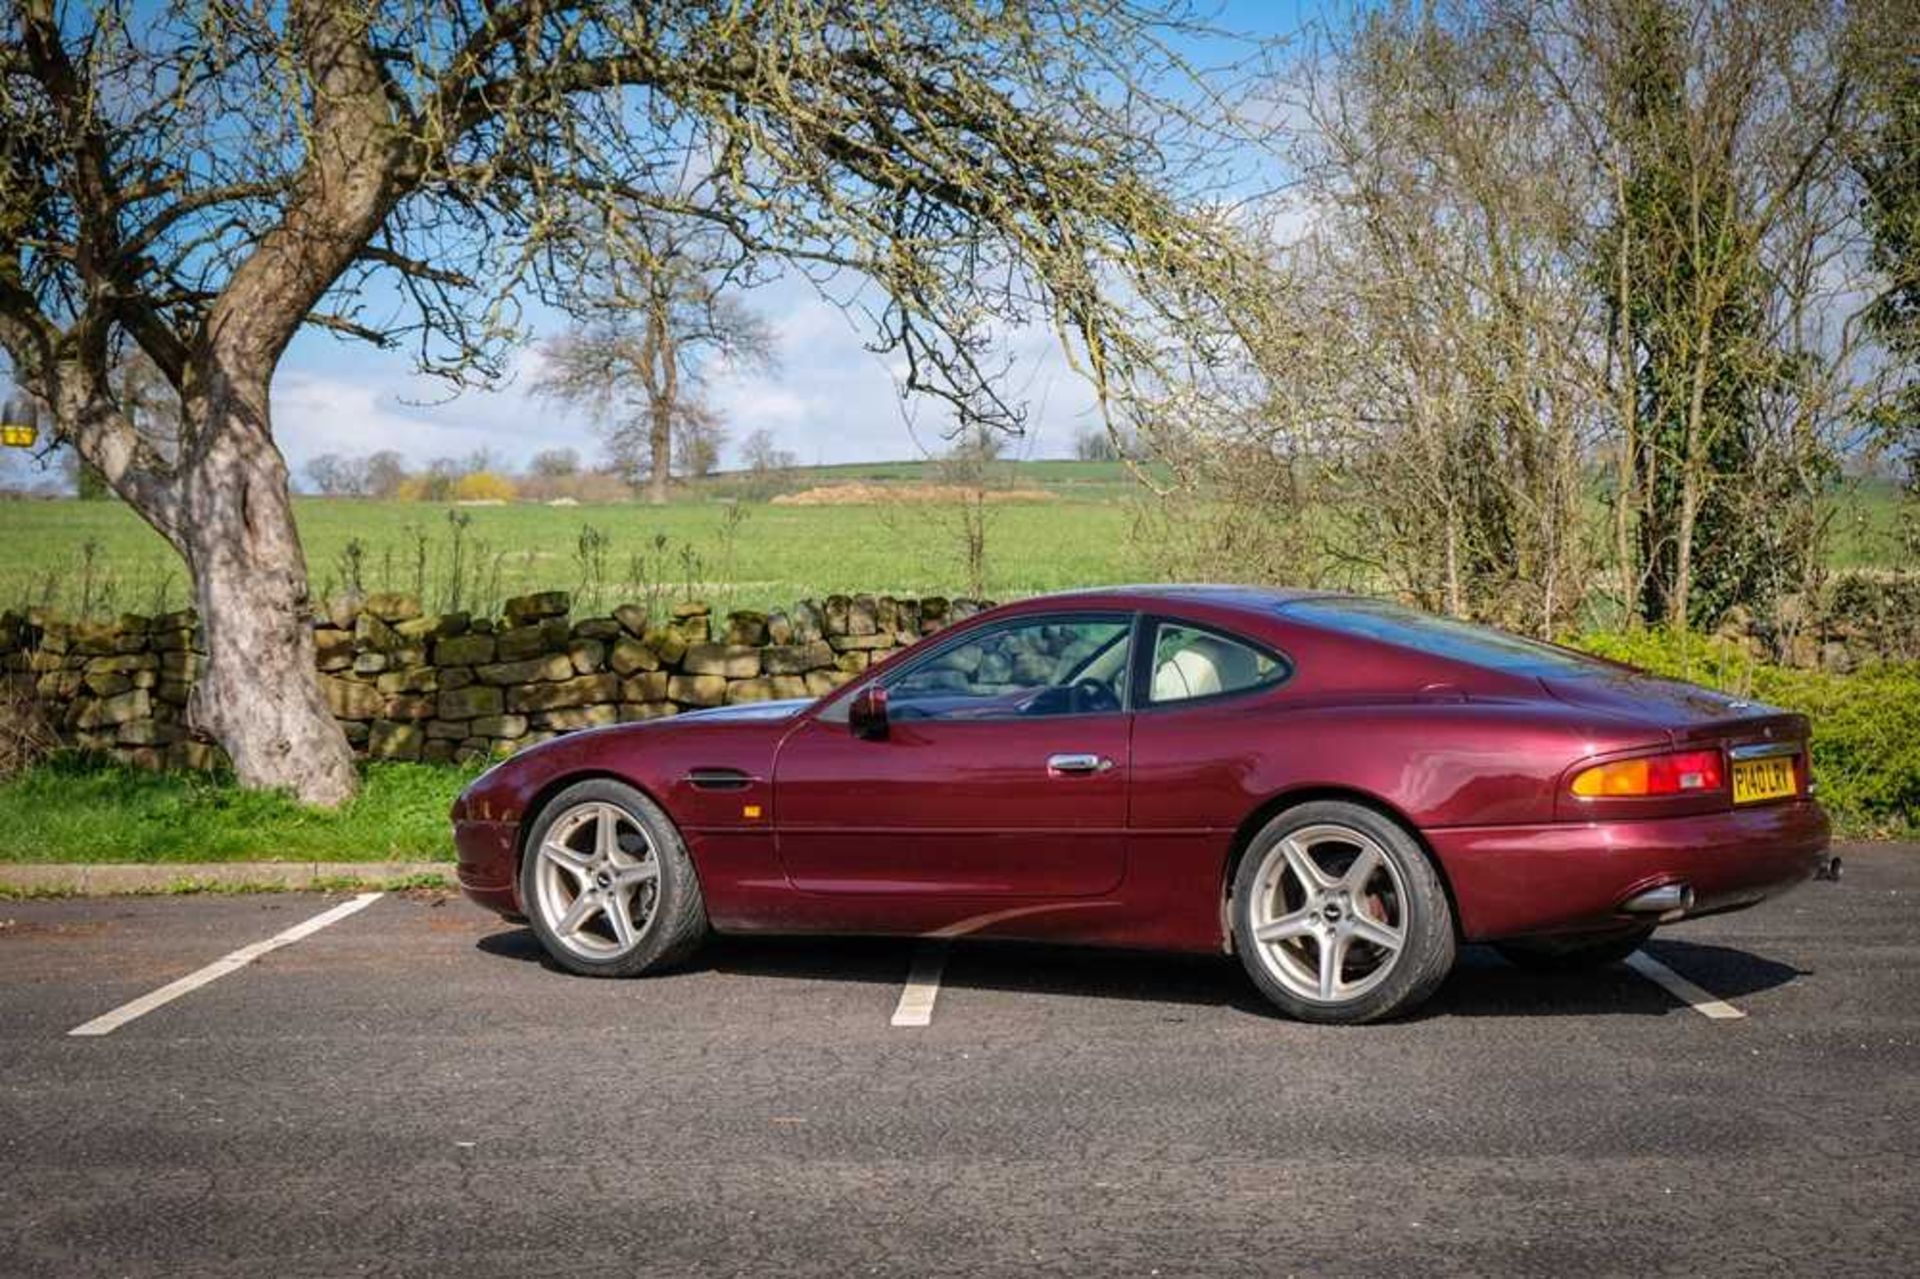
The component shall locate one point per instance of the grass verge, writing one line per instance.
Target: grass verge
(74, 810)
(187, 885)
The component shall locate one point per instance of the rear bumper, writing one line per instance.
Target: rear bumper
(486, 852)
(1568, 877)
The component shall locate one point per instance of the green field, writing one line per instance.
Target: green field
(98, 558)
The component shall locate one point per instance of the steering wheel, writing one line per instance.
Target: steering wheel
(1092, 696)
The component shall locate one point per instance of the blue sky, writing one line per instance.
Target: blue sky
(829, 400)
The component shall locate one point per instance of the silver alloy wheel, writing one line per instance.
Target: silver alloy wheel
(1329, 913)
(597, 882)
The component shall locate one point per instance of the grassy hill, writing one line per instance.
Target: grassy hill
(1080, 481)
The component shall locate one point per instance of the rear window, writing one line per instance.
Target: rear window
(1440, 636)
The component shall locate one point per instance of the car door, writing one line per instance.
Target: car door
(1192, 758)
(1002, 772)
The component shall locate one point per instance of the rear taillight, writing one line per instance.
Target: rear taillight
(1679, 773)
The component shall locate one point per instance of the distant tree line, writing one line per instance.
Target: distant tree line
(481, 476)
(1105, 445)
(549, 475)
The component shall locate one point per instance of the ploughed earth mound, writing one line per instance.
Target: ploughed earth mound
(857, 494)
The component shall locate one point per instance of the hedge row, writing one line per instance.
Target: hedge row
(1866, 723)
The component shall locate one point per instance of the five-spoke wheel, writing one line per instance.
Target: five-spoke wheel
(1329, 913)
(598, 880)
(1338, 916)
(607, 883)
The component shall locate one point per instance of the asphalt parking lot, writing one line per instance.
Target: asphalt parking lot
(409, 1090)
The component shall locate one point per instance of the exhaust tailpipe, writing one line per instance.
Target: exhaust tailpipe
(1664, 900)
(1828, 869)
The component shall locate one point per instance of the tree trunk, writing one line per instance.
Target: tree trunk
(260, 696)
(1626, 498)
(1456, 604)
(663, 373)
(1693, 477)
(660, 438)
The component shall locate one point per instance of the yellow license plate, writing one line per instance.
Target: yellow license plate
(1757, 779)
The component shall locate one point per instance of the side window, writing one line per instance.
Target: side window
(1189, 663)
(1029, 666)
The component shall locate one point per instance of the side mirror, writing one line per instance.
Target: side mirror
(867, 717)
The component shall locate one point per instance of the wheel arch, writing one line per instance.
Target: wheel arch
(1280, 802)
(538, 801)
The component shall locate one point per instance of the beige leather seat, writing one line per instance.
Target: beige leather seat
(1206, 666)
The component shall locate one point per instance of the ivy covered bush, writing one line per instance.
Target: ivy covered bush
(1866, 725)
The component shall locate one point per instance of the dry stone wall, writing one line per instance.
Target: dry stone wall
(448, 687)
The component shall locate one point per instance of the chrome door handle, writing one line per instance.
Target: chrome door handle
(1075, 763)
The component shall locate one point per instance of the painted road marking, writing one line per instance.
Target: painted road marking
(107, 1023)
(930, 960)
(1701, 1001)
(923, 984)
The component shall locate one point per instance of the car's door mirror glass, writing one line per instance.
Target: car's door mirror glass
(867, 716)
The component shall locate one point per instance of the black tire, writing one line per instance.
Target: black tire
(1576, 954)
(1425, 954)
(677, 922)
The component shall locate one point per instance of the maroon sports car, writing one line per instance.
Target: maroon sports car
(1339, 790)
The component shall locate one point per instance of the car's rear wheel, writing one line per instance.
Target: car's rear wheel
(607, 883)
(1339, 917)
(1573, 954)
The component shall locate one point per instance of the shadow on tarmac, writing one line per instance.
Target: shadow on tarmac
(1481, 985)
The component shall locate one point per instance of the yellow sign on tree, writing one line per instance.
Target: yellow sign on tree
(19, 423)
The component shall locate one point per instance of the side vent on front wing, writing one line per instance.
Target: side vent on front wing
(718, 779)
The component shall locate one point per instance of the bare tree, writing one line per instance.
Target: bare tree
(1730, 252)
(971, 470)
(205, 180)
(552, 464)
(1419, 420)
(386, 472)
(1104, 445)
(327, 473)
(767, 464)
(1475, 334)
(698, 437)
(762, 455)
(641, 366)
(1886, 156)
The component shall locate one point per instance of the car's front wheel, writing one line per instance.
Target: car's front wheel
(607, 883)
(1339, 917)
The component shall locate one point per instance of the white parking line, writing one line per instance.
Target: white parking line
(930, 959)
(923, 985)
(107, 1023)
(1701, 1001)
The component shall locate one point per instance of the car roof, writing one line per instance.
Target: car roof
(1200, 592)
(1251, 599)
